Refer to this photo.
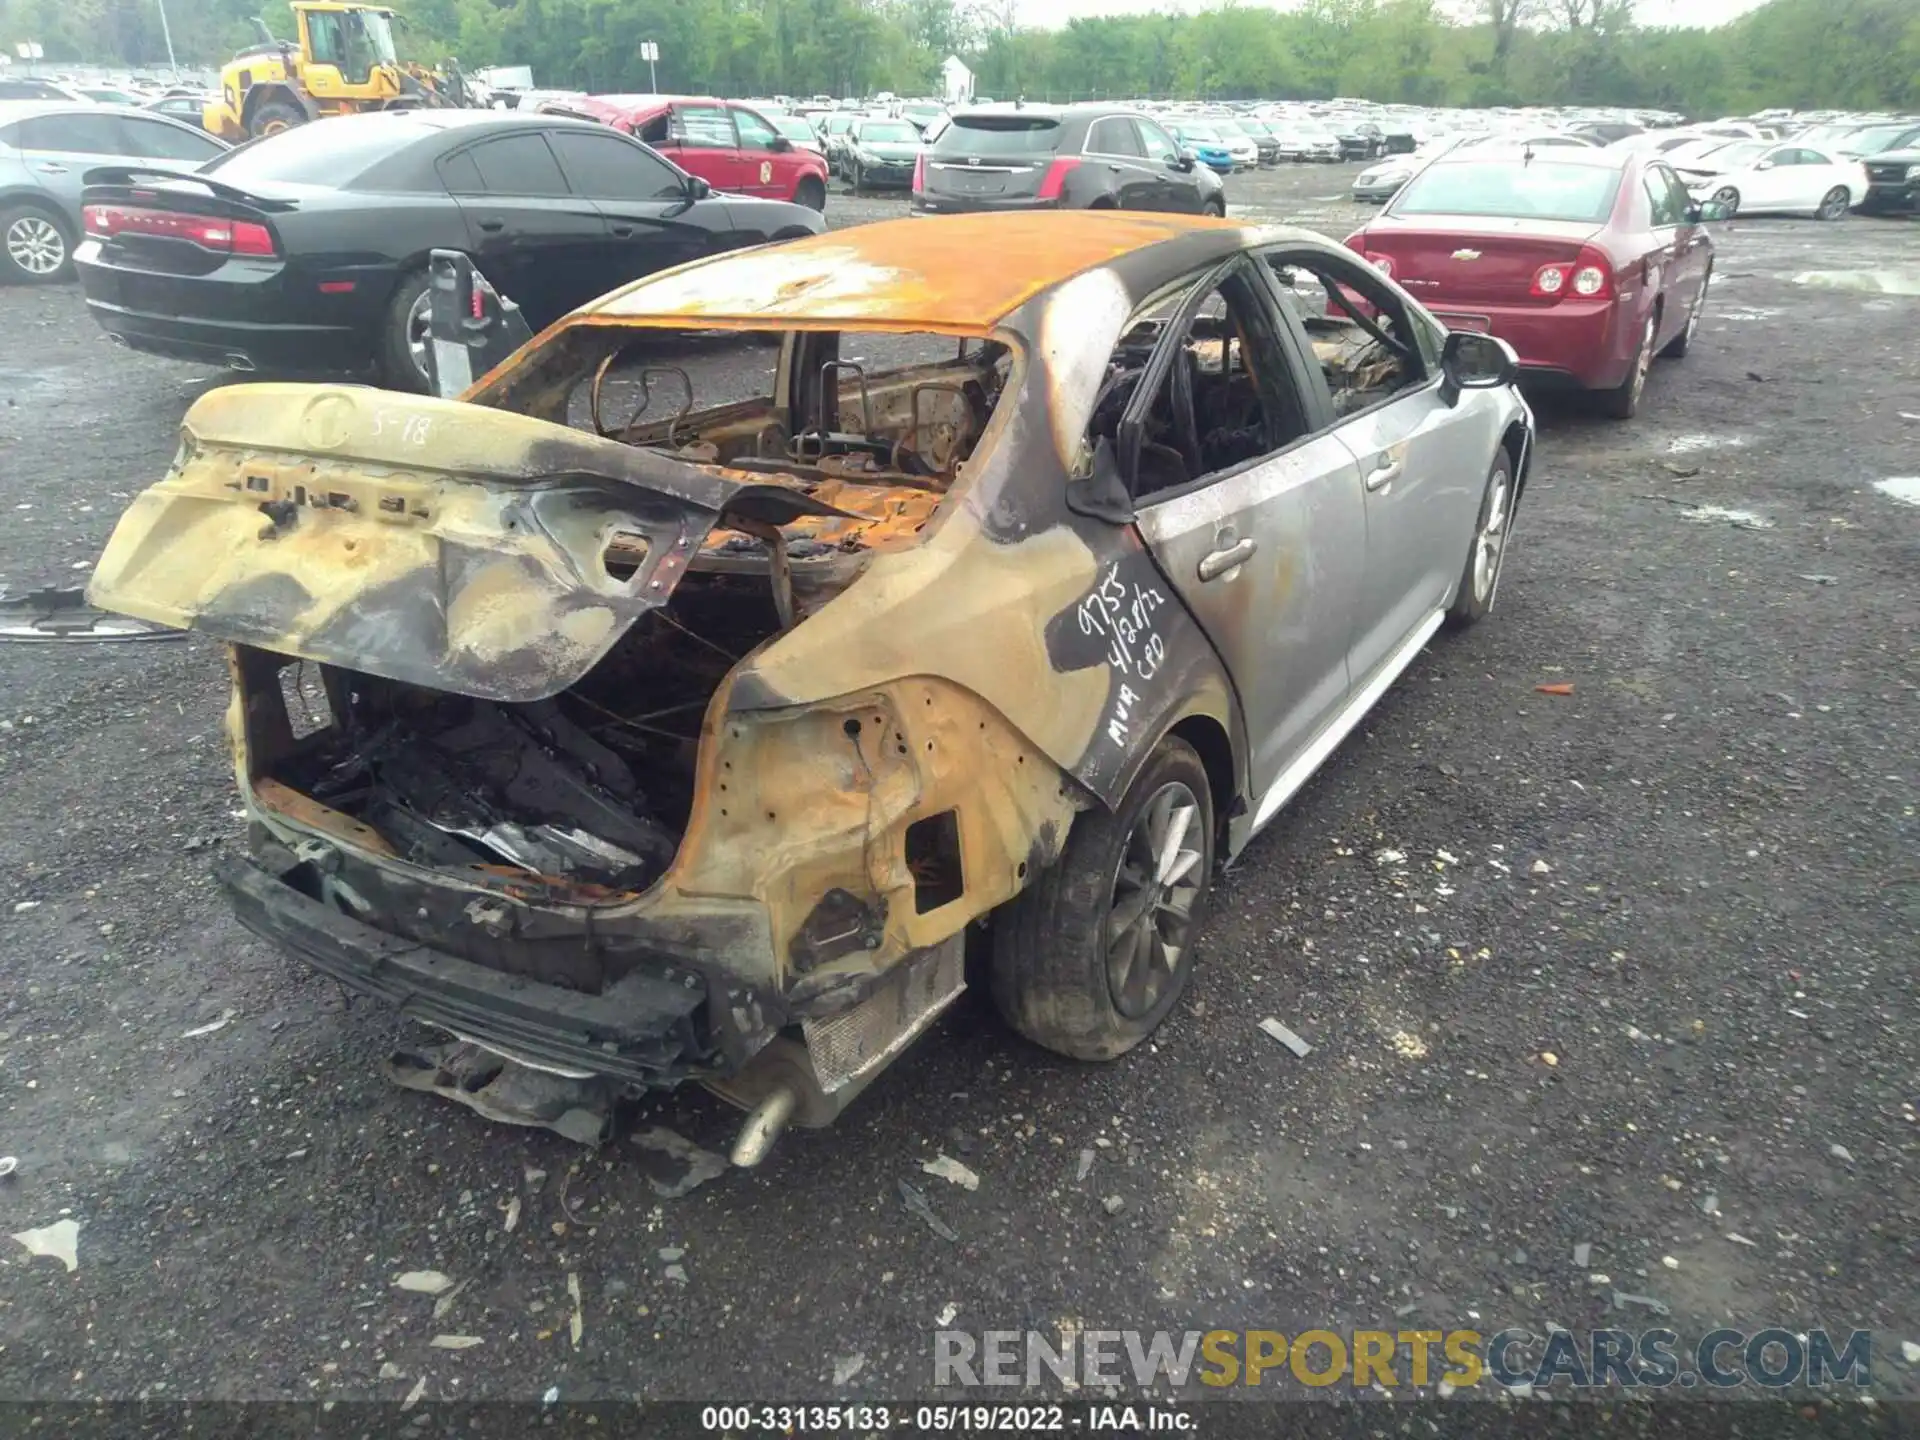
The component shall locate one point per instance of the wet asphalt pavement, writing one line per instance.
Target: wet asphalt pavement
(1632, 969)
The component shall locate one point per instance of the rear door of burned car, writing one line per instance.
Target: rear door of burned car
(1255, 521)
(1423, 455)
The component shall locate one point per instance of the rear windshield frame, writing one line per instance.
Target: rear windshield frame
(869, 132)
(997, 135)
(1605, 193)
(327, 158)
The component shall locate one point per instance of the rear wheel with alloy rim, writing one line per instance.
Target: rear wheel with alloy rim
(1835, 204)
(1728, 199)
(33, 246)
(1480, 579)
(1623, 401)
(1089, 959)
(404, 340)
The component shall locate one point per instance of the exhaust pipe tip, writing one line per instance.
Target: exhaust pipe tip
(117, 338)
(237, 361)
(764, 1125)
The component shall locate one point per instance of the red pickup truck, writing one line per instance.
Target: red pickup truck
(725, 143)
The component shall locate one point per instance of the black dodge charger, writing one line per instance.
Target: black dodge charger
(306, 251)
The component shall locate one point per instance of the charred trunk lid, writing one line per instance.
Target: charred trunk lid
(427, 541)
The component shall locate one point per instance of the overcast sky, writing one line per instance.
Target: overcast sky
(1651, 12)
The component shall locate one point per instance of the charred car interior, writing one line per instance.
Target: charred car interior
(1215, 408)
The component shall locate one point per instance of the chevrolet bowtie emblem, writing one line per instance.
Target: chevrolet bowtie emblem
(1466, 254)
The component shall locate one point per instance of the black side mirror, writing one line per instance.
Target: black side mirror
(1101, 494)
(698, 189)
(1696, 212)
(780, 143)
(1472, 361)
(1185, 160)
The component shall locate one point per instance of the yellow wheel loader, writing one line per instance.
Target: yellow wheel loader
(343, 63)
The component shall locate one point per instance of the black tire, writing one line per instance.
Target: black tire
(812, 193)
(274, 116)
(35, 248)
(1678, 346)
(1623, 401)
(1728, 199)
(1052, 955)
(1215, 207)
(1835, 204)
(1488, 547)
(399, 369)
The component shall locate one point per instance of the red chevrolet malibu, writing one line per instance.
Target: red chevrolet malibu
(728, 145)
(1587, 262)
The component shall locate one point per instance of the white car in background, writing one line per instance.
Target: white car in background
(1755, 177)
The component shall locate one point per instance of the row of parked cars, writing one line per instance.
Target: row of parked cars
(305, 250)
(1822, 171)
(185, 103)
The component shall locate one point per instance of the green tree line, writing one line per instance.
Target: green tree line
(1857, 54)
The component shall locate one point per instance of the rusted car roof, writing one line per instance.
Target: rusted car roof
(959, 272)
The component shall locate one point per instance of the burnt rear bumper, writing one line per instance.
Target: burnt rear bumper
(641, 1030)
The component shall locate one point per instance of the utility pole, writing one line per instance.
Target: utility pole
(650, 52)
(172, 64)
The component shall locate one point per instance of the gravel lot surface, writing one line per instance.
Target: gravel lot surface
(1631, 969)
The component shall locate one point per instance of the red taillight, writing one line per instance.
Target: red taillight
(1549, 282)
(250, 239)
(336, 287)
(1588, 275)
(209, 232)
(920, 174)
(1056, 176)
(479, 305)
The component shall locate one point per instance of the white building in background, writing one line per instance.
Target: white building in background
(956, 81)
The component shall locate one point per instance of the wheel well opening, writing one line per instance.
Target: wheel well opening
(269, 94)
(1514, 442)
(1215, 750)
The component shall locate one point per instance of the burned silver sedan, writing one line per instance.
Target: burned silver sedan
(642, 736)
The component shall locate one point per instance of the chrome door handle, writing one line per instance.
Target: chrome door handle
(1383, 474)
(45, 169)
(1213, 566)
